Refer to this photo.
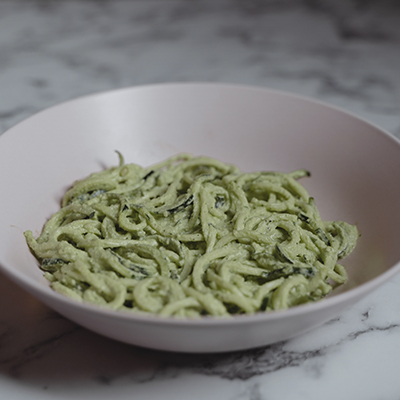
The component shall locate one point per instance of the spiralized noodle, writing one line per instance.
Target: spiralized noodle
(192, 236)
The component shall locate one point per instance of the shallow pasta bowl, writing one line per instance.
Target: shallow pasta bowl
(355, 170)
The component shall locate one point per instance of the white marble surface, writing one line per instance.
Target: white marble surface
(346, 54)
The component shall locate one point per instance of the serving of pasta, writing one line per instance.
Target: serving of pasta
(189, 237)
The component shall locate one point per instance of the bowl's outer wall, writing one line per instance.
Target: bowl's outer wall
(202, 338)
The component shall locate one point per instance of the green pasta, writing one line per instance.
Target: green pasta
(192, 236)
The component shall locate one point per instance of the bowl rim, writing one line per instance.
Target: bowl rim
(33, 287)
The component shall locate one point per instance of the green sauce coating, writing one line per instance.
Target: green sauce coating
(192, 236)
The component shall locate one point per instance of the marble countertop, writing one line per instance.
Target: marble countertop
(51, 51)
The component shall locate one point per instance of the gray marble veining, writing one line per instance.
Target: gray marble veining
(345, 53)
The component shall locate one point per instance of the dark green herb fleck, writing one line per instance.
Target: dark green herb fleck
(148, 175)
(182, 206)
(219, 201)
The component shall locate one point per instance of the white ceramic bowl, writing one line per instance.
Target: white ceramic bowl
(355, 177)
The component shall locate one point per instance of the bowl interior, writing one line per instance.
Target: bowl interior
(354, 165)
